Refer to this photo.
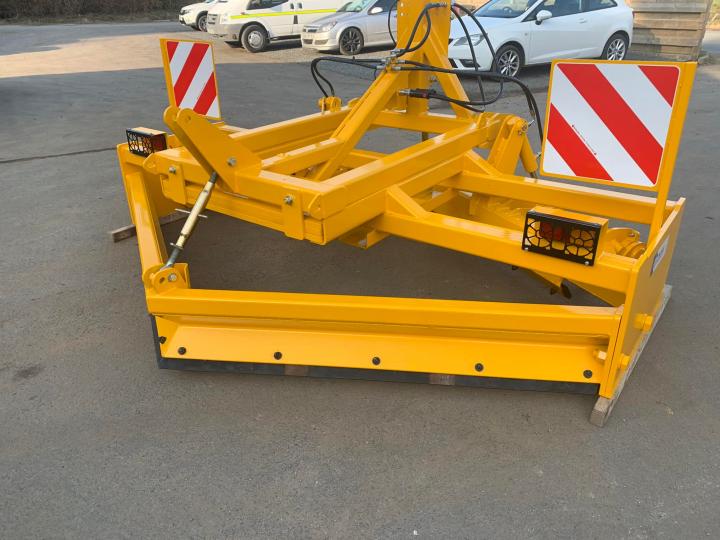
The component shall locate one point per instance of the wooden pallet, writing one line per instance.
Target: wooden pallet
(123, 233)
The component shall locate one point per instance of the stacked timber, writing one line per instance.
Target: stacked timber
(669, 30)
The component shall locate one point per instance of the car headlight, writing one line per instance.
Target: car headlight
(327, 26)
(223, 18)
(183, 11)
(476, 40)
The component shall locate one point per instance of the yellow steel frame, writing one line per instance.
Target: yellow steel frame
(308, 179)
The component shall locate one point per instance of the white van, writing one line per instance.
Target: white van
(254, 23)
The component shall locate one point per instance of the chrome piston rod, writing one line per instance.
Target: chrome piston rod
(191, 220)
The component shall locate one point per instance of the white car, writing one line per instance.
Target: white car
(525, 32)
(254, 23)
(195, 15)
(355, 25)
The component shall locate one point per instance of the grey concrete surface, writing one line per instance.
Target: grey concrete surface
(95, 442)
(711, 41)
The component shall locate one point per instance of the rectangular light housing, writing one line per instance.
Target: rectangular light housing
(145, 141)
(562, 235)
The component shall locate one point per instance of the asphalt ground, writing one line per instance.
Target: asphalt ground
(711, 43)
(96, 442)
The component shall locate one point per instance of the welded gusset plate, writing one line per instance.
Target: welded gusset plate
(559, 237)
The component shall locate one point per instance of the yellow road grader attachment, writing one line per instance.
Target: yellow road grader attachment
(455, 188)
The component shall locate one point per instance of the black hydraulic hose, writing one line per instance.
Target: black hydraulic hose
(368, 63)
(468, 74)
(409, 49)
(316, 75)
(493, 53)
(529, 96)
(532, 104)
(424, 13)
(461, 73)
(480, 27)
(474, 57)
(393, 6)
(432, 94)
(475, 106)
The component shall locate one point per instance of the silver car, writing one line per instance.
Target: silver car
(357, 24)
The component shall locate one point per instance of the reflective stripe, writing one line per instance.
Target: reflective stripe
(280, 13)
(190, 75)
(610, 120)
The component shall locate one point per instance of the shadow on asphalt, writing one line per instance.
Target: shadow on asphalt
(279, 45)
(15, 38)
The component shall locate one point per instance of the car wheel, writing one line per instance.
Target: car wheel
(202, 22)
(508, 60)
(351, 41)
(616, 47)
(254, 38)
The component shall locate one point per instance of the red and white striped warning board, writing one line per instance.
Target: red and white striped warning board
(609, 121)
(190, 76)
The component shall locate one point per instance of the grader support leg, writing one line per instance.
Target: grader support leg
(604, 406)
